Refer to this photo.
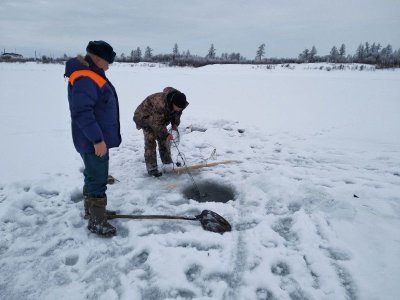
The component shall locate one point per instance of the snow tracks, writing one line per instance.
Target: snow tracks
(297, 209)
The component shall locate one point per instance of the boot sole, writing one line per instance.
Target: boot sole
(107, 234)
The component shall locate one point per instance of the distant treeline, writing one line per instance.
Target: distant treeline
(373, 54)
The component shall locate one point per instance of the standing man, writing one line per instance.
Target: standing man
(93, 103)
(153, 115)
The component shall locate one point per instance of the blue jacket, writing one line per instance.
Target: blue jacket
(93, 103)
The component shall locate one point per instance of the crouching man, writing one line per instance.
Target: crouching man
(153, 115)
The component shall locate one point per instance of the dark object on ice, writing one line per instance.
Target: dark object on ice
(212, 192)
(355, 196)
(196, 128)
(178, 164)
(210, 221)
(111, 179)
(241, 130)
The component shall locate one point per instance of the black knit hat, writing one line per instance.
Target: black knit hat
(101, 49)
(179, 99)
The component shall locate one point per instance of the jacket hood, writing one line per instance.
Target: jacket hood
(81, 63)
(168, 90)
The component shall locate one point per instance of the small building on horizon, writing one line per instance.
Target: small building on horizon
(10, 55)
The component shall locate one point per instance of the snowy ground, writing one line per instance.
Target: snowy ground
(316, 213)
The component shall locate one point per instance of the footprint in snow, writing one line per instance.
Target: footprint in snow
(246, 226)
(164, 227)
(71, 259)
(122, 231)
(61, 278)
(138, 260)
(283, 228)
(76, 196)
(198, 246)
(269, 244)
(347, 282)
(3, 249)
(28, 210)
(46, 193)
(180, 294)
(193, 272)
(220, 276)
(278, 148)
(337, 254)
(281, 269)
(294, 207)
(264, 294)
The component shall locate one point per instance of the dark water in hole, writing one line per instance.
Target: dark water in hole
(210, 192)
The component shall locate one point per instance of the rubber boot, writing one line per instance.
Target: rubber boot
(86, 205)
(85, 201)
(155, 173)
(87, 211)
(98, 219)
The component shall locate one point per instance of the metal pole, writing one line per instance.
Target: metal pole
(188, 171)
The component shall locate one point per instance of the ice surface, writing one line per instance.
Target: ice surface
(307, 141)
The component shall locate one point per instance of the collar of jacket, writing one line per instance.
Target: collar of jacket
(87, 61)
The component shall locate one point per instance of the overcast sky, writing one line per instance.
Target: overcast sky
(287, 27)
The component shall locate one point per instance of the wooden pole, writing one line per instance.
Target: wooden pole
(206, 165)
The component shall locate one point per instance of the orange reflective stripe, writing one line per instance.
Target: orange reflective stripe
(100, 81)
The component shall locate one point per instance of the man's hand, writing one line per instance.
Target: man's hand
(169, 137)
(100, 149)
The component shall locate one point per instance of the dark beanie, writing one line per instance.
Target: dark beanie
(101, 49)
(179, 99)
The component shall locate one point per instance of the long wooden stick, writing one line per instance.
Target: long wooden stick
(206, 165)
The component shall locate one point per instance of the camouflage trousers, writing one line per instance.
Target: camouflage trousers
(150, 153)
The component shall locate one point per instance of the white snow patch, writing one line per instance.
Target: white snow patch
(316, 209)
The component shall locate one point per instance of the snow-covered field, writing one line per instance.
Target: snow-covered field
(316, 213)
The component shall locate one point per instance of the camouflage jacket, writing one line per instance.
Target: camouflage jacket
(156, 113)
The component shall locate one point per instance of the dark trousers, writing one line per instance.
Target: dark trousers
(96, 172)
(150, 154)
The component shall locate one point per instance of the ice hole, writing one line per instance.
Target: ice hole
(209, 192)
